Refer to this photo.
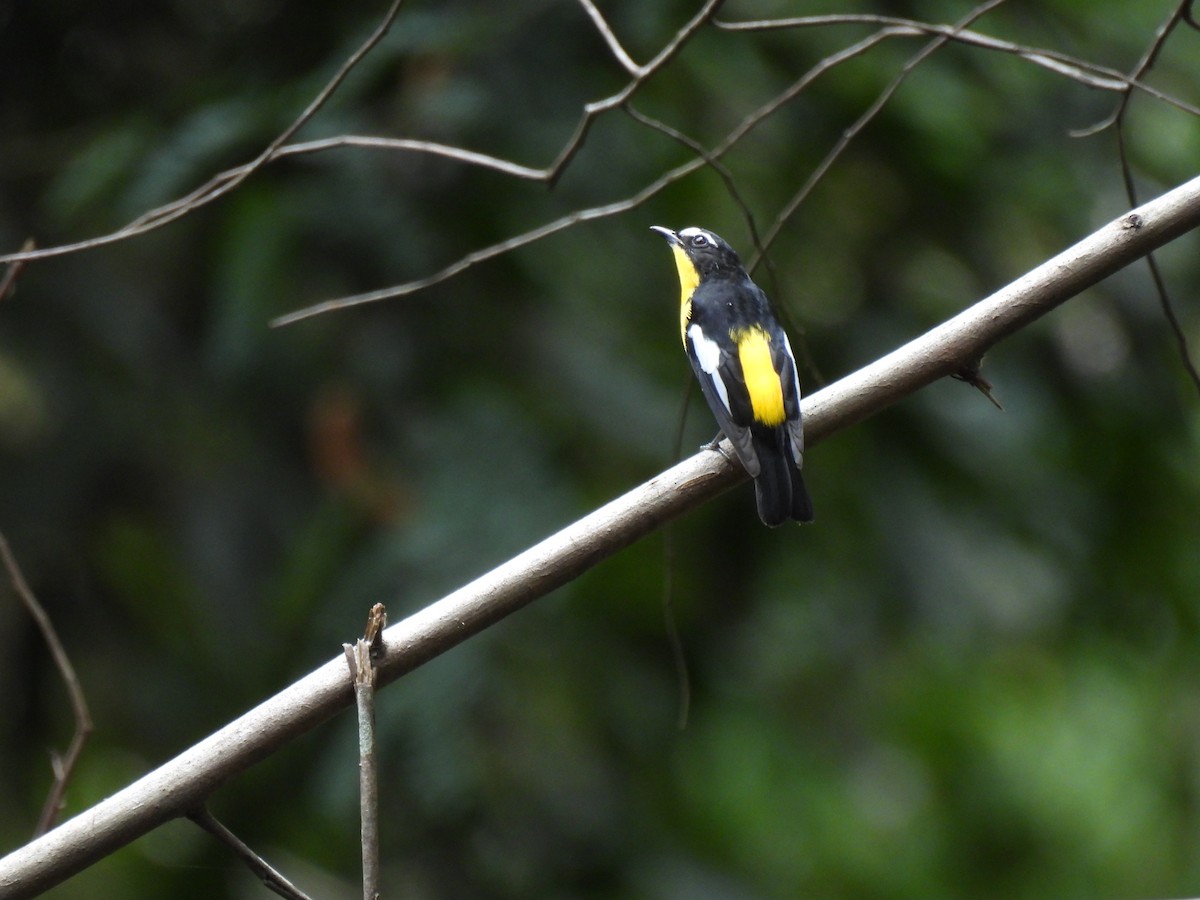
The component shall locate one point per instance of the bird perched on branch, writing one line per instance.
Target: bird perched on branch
(744, 363)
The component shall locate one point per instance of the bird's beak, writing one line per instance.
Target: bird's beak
(671, 236)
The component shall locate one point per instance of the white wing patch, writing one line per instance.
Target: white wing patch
(709, 356)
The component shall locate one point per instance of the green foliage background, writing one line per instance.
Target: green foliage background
(976, 675)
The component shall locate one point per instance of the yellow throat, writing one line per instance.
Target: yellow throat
(689, 280)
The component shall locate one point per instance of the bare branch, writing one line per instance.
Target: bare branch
(1086, 73)
(221, 184)
(1156, 277)
(180, 785)
(267, 874)
(506, 246)
(606, 32)
(430, 148)
(730, 182)
(1173, 323)
(863, 120)
(623, 96)
(224, 183)
(9, 282)
(591, 213)
(361, 658)
(907, 29)
(1182, 14)
(1079, 70)
(711, 161)
(1189, 14)
(63, 766)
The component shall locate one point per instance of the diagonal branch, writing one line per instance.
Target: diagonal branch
(183, 783)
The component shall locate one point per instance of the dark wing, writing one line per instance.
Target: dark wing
(719, 372)
(785, 364)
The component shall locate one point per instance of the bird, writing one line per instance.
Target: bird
(743, 360)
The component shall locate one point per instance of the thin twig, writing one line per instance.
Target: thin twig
(709, 160)
(606, 32)
(63, 766)
(361, 658)
(1090, 74)
(1156, 276)
(1063, 65)
(623, 96)
(735, 194)
(9, 282)
(570, 220)
(848, 136)
(1083, 71)
(368, 142)
(1182, 14)
(1168, 310)
(747, 125)
(224, 183)
(268, 875)
(229, 178)
(169, 214)
(592, 213)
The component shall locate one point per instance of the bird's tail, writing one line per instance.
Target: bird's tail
(779, 487)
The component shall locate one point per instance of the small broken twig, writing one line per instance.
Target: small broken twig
(970, 375)
(361, 658)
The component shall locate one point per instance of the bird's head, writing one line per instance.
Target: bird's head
(706, 253)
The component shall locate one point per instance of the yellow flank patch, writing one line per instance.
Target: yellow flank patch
(762, 381)
(689, 280)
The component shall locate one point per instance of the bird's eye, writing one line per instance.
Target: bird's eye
(699, 240)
